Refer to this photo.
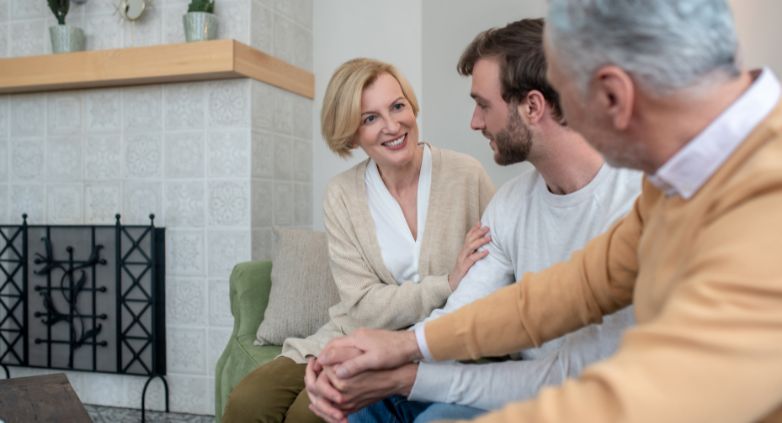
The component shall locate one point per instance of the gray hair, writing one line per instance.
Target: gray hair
(665, 45)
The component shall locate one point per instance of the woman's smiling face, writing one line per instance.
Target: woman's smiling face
(388, 131)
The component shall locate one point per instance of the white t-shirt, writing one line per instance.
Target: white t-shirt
(532, 229)
(399, 249)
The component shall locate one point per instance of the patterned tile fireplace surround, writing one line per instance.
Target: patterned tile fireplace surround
(219, 163)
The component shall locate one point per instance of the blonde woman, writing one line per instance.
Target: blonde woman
(402, 230)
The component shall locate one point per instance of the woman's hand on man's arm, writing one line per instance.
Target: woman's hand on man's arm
(476, 237)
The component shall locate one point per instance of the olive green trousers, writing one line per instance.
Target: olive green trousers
(272, 393)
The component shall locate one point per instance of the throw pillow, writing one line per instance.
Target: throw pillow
(302, 287)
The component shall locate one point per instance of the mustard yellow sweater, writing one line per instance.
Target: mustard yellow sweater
(705, 276)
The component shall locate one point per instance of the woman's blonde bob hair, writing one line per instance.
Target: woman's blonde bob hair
(341, 113)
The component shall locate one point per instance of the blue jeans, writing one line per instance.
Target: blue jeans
(442, 411)
(397, 409)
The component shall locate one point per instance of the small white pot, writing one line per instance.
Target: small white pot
(66, 38)
(200, 26)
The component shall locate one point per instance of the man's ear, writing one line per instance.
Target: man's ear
(614, 90)
(533, 106)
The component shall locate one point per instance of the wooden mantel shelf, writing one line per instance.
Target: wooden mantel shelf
(205, 60)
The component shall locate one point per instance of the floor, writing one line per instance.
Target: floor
(101, 414)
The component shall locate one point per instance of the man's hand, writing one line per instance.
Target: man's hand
(380, 350)
(371, 386)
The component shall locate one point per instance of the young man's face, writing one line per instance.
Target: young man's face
(499, 121)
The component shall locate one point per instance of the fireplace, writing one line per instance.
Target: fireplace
(84, 297)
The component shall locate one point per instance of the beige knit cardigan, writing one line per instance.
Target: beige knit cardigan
(369, 295)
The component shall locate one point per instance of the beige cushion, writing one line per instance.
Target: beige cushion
(302, 287)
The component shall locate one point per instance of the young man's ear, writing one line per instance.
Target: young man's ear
(533, 106)
(615, 91)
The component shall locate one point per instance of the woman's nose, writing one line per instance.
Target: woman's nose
(392, 126)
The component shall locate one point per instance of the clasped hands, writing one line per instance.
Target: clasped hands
(357, 370)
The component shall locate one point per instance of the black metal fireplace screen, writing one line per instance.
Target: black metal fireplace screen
(84, 297)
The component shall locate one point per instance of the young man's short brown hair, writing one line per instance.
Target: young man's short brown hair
(519, 48)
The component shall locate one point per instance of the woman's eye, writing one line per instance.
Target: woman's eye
(399, 106)
(368, 119)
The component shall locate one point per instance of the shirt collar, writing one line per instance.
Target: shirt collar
(686, 172)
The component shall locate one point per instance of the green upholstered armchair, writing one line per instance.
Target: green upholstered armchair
(249, 292)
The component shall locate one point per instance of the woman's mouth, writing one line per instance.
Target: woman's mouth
(397, 143)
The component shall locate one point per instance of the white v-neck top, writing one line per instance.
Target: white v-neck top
(399, 249)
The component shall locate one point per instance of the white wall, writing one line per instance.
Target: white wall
(345, 29)
(757, 22)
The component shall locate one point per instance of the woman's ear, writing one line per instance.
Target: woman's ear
(614, 91)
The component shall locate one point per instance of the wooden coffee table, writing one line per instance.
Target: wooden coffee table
(48, 398)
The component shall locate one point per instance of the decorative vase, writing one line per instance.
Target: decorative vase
(66, 38)
(200, 26)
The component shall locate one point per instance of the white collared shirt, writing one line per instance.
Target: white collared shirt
(686, 172)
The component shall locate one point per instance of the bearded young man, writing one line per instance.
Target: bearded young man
(536, 219)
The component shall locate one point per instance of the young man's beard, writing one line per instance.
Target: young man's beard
(514, 142)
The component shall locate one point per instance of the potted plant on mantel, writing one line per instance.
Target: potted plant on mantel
(200, 21)
(65, 38)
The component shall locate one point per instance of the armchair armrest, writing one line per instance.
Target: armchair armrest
(249, 292)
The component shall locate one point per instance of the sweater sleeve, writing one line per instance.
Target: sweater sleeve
(711, 354)
(490, 386)
(369, 301)
(485, 386)
(546, 305)
(485, 276)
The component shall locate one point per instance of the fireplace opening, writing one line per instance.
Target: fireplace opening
(84, 298)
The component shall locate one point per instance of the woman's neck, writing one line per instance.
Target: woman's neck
(400, 179)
